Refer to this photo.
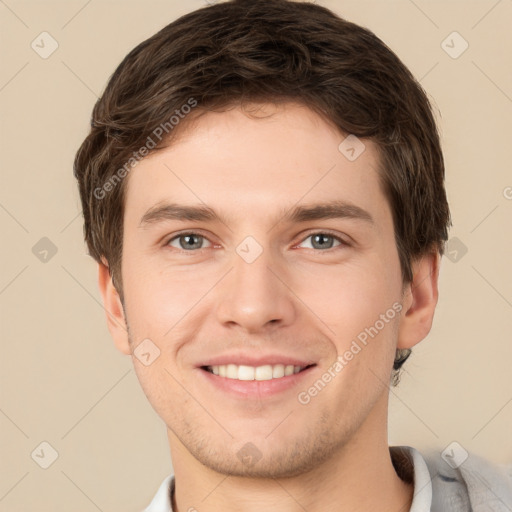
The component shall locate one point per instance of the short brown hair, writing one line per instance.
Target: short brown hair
(261, 51)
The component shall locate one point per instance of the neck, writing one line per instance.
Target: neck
(358, 476)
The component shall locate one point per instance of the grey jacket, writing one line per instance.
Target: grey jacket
(475, 486)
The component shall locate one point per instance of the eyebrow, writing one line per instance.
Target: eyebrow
(303, 213)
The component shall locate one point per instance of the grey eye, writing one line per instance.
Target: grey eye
(322, 240)
(188, 241)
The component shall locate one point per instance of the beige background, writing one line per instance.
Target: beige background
(62, 380)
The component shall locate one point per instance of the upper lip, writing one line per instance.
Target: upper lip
(254, 360)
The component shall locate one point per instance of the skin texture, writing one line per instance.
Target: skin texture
(296, 298)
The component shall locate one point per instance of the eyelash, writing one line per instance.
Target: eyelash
(343, 243)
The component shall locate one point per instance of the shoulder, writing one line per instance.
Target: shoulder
(467, 482)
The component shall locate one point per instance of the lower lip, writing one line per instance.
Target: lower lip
(256, 388)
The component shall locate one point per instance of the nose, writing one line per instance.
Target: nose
(255, 296)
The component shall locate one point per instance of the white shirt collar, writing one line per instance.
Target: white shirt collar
(162, 499)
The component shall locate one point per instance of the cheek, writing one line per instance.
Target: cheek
(157, 297)
(349, 297)
(159, 383)
(360, 303)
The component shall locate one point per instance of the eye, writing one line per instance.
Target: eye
(322, 241)
(187, 241)
(190, 242)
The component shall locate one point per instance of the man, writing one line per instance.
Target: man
(263, 191)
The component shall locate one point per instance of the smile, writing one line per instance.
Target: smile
(264, 372)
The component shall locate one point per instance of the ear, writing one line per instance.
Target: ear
(116, 321)
(419, 301)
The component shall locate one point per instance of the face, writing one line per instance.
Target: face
(263, 281)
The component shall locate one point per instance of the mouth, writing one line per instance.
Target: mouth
(255, 373)
(267, 382)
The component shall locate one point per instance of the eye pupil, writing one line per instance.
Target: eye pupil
(320, 236)
(190, 241)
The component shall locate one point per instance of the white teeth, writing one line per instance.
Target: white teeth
(265, 372)
(244, 373)
(278, 371)
(288, 370)
(231, 371)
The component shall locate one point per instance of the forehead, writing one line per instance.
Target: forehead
(259, 162)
